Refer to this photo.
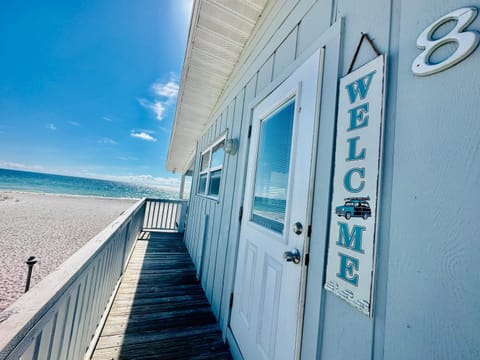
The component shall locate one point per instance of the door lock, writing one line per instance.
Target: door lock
(292, 256)
(297, 228)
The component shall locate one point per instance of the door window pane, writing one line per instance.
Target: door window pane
(273, 165)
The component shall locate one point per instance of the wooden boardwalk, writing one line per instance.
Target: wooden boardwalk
(160, 311)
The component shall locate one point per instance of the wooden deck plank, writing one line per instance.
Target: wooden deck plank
(160, 310)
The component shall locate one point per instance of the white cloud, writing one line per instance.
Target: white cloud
(107, 141)
(74, 123)
(127, 158)
(142, 135)
(159, 110)
(158, 107)
(19, 166)
(168, 90)
(106, 118)
(51, 127)
(165, 94)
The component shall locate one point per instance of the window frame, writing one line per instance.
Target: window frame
(209, 169)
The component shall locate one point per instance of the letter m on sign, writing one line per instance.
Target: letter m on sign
(350, 240)
(359, 87)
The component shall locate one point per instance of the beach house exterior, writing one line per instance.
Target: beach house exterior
(334, 148)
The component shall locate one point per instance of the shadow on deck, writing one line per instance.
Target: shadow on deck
(160, 310)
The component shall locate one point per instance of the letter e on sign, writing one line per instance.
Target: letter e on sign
(466, 42)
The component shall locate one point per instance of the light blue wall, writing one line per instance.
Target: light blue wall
(433, 286)
(427, 287)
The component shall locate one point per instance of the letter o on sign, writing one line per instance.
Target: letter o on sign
(466, 41)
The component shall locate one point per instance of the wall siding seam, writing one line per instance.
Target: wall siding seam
(230, 114)
(225, 295)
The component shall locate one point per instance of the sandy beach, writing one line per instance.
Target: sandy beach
(50, 227)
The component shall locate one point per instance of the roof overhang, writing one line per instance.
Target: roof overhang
(219, 30)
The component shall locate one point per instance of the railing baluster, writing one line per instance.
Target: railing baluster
(98, 303)
(63, 323)
(149, 212)
(71, 325)
(174, 216)
(145, 225)
(159, 215)
(172, 209)
(30, 353)
(167, 214)
(152, 213)
(88, 313)
(48, 352)
(160, 219)
(82, 315)
(155, 214)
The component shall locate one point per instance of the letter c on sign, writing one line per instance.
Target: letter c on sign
(347, 180)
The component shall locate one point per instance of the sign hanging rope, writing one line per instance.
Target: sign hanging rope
(363, 37)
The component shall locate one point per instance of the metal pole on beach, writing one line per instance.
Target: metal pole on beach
(32, 260)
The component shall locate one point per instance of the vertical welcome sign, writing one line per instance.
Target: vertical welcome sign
(351, 253)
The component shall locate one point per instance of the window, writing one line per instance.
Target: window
(211, 165)
(273, 168)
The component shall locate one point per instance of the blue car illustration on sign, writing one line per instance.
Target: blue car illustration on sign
(356, 207)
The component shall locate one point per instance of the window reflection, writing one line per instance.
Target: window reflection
(273, 164)
(205, 161)
(202, 185)
(218, 155)
(214, 185)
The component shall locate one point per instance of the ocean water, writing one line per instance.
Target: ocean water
(15, 180)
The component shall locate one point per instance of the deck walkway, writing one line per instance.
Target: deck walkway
(160, 310)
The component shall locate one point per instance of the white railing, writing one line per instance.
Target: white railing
(58, 318)
(161, 215)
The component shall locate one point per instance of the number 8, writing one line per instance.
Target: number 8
(467, 42)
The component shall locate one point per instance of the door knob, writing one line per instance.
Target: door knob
(292, 256)
(297, 228)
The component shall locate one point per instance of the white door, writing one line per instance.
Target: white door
(266, 314)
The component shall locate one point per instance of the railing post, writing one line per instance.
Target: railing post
(182, 187)
(181, 223)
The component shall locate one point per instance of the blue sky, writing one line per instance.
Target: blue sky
(89, 87)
